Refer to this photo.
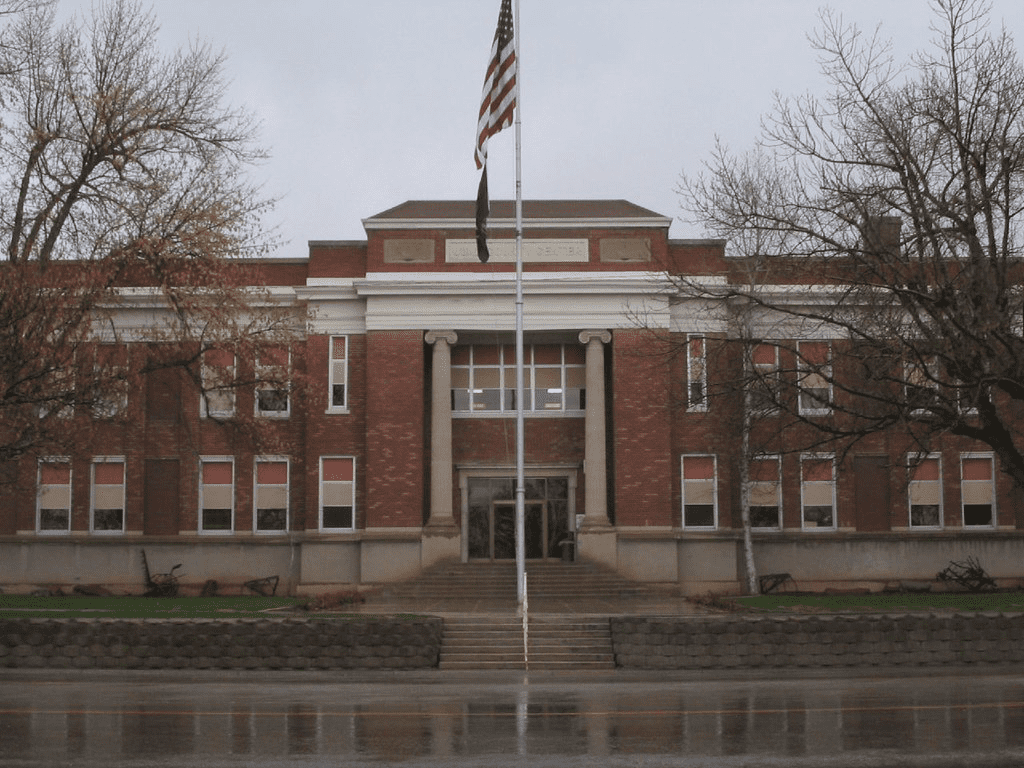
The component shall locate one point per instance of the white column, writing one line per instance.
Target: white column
(441, 487)
(595, 482)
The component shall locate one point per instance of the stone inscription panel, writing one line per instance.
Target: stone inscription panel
(503, 251)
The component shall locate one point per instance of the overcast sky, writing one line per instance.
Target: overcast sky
(368, 103)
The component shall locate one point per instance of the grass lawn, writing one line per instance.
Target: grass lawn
(882, 603)
(75, 607)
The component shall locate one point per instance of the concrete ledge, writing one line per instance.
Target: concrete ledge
(377, 643)
(731, 642)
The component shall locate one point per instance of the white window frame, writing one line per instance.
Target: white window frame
(768, 377)
(920, 375)
(913, 461)
(211, 391)
(202, 492)
(805, 491)
(463, 401)
(994, 521)
(261, 370)
(322, 494)
(96, 462)
(714, 490)
(333, 366)
(256, 486)
(116, 404)
(40, 493)
(808, 370)
(697, 373)
(778, 492)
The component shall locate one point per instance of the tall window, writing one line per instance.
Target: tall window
(815, 365)
(273, 372)
(484, 378)
(696, 374)
(337, 493)
(921, 384)
(218, 373)
(217, 495)
(270, 497)
(338, 375)
(112, 370)
(925, 491)
(107, 508)
(764, 389)
(700, 492)
(53, 503)
(818, 491)
(765, 492)
(977, 490)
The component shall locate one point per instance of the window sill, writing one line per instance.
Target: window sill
(337, 411)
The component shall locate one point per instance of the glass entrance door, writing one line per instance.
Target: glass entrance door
(492, 518)
(504, 529)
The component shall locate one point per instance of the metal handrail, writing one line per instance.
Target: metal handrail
(526, 626)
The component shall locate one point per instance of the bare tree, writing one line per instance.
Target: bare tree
(122, 184)
(886, 216)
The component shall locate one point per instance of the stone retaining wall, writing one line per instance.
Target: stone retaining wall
(817, 641)
(221, 644)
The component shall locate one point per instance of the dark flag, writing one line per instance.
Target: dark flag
(497, 108)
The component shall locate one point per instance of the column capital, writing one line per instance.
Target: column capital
(595, 335)
(431, 337)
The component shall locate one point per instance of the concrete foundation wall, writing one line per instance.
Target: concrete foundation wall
(818, 641)
(385, 643)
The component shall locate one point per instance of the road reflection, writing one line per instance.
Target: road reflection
(175, 722)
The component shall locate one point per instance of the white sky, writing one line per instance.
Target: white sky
(368, 103)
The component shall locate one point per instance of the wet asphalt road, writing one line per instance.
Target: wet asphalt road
(922, 718)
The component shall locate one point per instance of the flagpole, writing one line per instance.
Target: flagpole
(520, 421)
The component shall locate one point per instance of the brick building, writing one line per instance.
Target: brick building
(399, 452)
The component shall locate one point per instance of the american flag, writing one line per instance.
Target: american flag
(498, 103)
(497, 107)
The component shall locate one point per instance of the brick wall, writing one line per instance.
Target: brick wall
(384, 643)
(395, 439)
(817, 641)
(641, 418)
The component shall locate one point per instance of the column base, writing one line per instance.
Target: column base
(598, 543)
(440, 542)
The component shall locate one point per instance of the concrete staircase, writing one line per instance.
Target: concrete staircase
(492, 586)
(555, 643)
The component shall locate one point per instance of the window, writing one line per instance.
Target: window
(111, 399)
(53, 505)
(817, 490)
(921, 384)
(61, 394)
(815, 365)
(218, 396)
(107, 508)
(270, 496)
(484, 378)
(338, 374)
(337, 493)
(700, 492)
(696, 374)
(764, 389)
(217, 495)
(925, 491)
(273, 368)
(765, 492)
(977, 490)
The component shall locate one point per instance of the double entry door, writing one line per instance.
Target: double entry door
(492, 518)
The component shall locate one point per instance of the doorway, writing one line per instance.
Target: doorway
(492, 518)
